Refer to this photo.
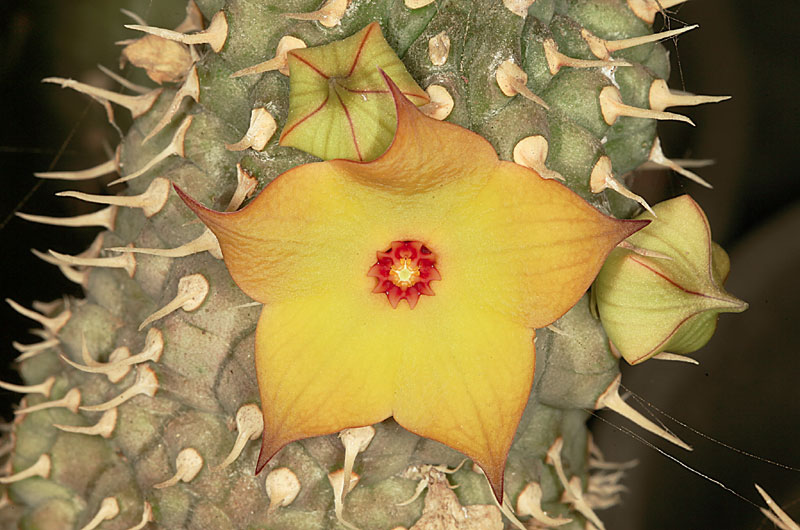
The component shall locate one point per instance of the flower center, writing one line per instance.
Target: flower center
(404, 272)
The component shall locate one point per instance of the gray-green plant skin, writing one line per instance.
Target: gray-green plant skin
(205, 373)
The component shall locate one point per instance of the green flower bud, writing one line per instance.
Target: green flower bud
(664, 292)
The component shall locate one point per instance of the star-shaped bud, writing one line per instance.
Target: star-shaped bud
(513, 252)
(669, 300)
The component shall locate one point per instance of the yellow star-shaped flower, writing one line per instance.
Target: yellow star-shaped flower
(498, 252)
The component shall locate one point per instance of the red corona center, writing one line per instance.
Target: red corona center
(404, 272)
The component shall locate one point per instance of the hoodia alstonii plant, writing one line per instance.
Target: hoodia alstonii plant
(403, 307)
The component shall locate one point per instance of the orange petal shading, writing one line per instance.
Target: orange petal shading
(514, 252)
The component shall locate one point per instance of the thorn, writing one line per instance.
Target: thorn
(416, 4)
(784, 522)
(336, 478)
(147, 511)
(421, 485)
(137, 105)
(249, 425)
(647, 9)
(531, 152)
(612, 107)
(440, 105)
(512, 80)
(657, 157)
(189, 88)
(603, 49)
(666, 356)
(192, 291)
(572, 488)
(355, 441)
(104, 218)
(439, 48)
(518, 7)
(245, 187)
(610, 399)
(122, 81)
(51, 324)
(529, 503)
(262, 127)
(175, 147)
(682, 162)
(602, 177)
(280, 62)
(146, 383)
(133, 16)
(507, 510)
(151, 201)
(153, 348)
(557, 60)
(282, 488)
(99, 170)
(42, 388)
(215, 35)
(104, 426)
(329, 15)
(188, 464)
(70, 401)
(627, 245)
(109, 508)
(74, 275)
(30, 350)
(41, 468)
(662, 97)
(193, 20)
(124, 261)
(206, 241)
(598, 461)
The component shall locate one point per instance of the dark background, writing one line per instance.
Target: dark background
(745, 392)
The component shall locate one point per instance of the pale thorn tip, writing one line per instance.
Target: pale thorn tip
(51, 324)
(512, 81)
(190, 88)
(572, 488)
(611, 399)
(137, 105)
(662, 97)
(40, 468)
(556, 330)
(280, 62)
(602, 177)
(71, 401)
(249, 425)
(336, 478)
(507, 510)
(439, 48)
(192, 292)
(440, 105)
(133, 16)
(175, 147)
(31, 350)
(603, 49)
(245, 187)
(42, 388)
(329, 15)
(104, 426)
(146, 383)
(649, 165)
(627, 245)
(215, 35)
(667, 356)
(657, 157)
(206, 241)
(647, 9)
(557, 60)
(109, 166)
(529, 503)
(531, 152)
(147, 517)
(126, 262)
(151, 201)
(74, 275)
(122, 81)
(416, 4)
(775, 513)
(262, 127)
(518, 7)
(188, 464)
(109, 508)
(105, 218)
(612, 108)
(355, 441)
(282, 488)
(193, 20)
